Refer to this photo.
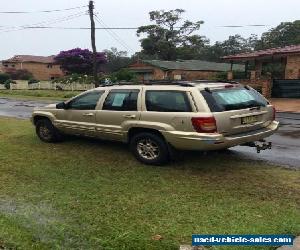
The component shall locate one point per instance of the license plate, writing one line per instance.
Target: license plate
(249, 119)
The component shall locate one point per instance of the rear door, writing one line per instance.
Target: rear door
(119, 112)
(238, 110)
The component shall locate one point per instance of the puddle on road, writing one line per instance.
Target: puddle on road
(25, 105)
(19, 108)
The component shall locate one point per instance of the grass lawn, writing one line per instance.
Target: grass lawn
(86, 194)
(39, 94)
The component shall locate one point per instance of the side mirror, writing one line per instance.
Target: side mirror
(61, 105)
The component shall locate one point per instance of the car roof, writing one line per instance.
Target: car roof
(200, 84)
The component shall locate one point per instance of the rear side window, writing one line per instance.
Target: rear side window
(167, 101)
(233, 99)
(121, 100)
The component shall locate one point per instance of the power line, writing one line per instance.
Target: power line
(76, 28)
(242, 26)
(41, 11)
(52, 21)
(111, 28)
(113, 34)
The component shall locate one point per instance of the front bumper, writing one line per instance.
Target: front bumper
(215, 141)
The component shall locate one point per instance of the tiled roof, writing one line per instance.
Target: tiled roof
(193, 65)
(268, 52)
(30, 58)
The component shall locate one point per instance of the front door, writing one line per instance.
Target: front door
(119, 112)
(80, 116)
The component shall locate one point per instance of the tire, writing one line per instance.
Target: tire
(47, 132)
(149, 148)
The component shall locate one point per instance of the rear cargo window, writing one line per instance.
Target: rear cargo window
(233, 99)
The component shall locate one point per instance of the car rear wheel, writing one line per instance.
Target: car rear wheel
(149, 148)
(47, 132)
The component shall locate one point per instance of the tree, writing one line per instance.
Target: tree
(192, 48)
(233, 45)
(167, 34)
(286, 33)
(116, 60)
(79, 61)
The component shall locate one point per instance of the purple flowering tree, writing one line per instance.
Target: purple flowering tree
(79, 61)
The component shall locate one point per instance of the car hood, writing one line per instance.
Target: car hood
(51, 106)
(47, 107)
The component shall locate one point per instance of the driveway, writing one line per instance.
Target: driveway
(286, 141)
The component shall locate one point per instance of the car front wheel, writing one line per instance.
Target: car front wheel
(149, 148)
(47, 132)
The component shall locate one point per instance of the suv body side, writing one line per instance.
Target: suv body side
(176, 127)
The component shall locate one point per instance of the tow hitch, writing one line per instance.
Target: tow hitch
(259, 145)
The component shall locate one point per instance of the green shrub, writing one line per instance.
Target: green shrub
(123, 75)
(7, 83)
(31, 81)
(20, 74)
(241, 75)
(3, 77)
(220, 76)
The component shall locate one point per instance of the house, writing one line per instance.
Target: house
(286, 81)
(179, 70)
(41, 67)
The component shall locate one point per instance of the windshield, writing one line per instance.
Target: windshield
(233, 99)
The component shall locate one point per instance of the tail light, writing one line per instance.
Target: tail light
(204, 124)
(274, 113)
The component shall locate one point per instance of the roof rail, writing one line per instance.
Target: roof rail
(215, 81)
(169, 82)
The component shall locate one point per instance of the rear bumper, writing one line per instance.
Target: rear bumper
(197, 141)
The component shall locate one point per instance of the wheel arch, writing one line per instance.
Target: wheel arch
(40, 116)
(136, 130)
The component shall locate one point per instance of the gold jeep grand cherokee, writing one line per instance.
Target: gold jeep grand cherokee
(155, 119)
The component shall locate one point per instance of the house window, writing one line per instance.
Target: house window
(13, 65)
(177, 77)
(49, 66)
(5, 65)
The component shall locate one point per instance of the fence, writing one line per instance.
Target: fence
(46, 85)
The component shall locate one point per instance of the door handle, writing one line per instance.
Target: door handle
(129, 116)
(88, 114)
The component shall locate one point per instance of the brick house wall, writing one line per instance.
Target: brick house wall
(190, 75)
(292, 70)
(148, 72)
(40, 71)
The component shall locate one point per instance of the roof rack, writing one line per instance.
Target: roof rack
(168, 82)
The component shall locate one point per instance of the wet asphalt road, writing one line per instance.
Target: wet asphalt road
(286, 141)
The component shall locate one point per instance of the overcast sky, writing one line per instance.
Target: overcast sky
(131, 13)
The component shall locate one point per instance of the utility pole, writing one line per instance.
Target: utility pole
(93, 40)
